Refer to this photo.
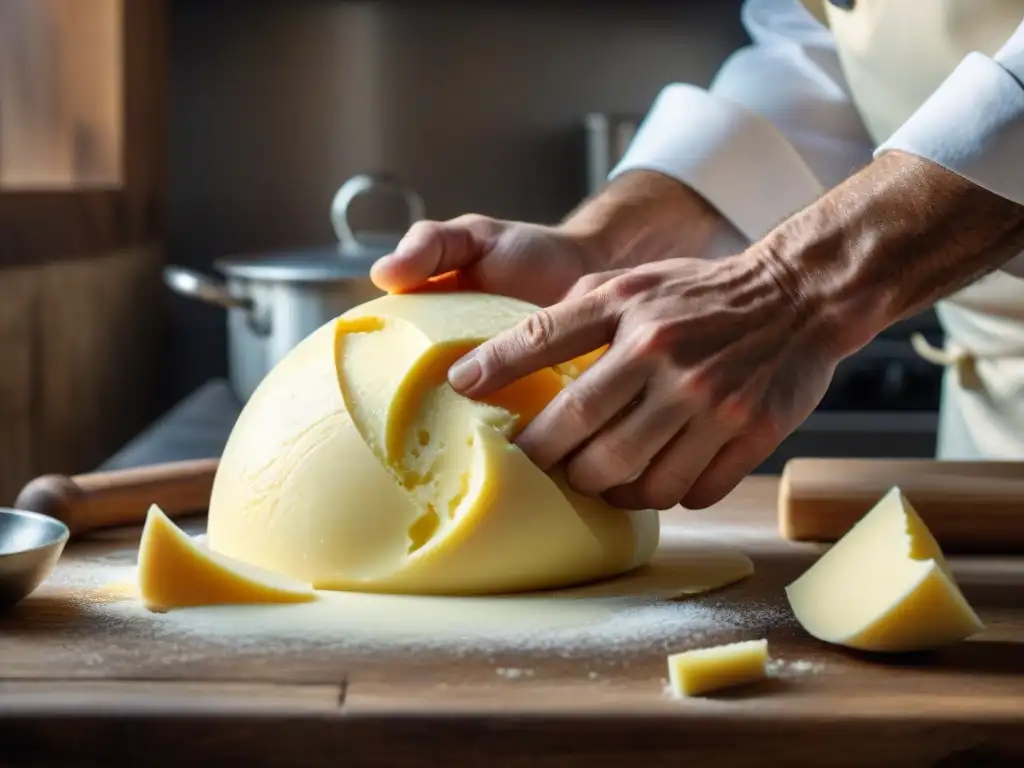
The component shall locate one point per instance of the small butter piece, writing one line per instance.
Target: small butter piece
(704, 670)
(885, 586)
(175, 571)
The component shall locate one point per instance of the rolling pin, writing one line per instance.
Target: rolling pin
(98, 500)
(969, 506)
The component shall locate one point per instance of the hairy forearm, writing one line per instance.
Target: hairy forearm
(644, 216)
(889, 242)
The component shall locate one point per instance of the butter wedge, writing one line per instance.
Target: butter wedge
(885, 586)
(175, 571)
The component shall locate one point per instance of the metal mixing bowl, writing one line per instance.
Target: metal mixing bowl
(30, 545)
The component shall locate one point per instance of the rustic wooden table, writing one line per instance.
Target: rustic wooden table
(72, 680)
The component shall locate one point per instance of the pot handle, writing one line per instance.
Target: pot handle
(196, 285)
(361, 184)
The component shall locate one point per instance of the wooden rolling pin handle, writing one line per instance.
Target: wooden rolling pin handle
(969, 506)
(101, 500)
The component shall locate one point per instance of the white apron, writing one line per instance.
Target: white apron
(895, 53)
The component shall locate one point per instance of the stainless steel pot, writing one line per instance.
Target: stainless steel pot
(274, 301)
(608, 136)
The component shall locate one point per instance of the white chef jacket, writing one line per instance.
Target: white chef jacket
(778, 126)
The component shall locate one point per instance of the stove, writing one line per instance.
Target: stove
(883, 402)
(887, 375)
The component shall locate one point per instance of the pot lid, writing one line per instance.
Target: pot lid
(311, 265)
(354, 253)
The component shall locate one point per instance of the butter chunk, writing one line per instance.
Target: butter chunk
(885, 586)
(176, 571)
(704, 670)
(356, 466)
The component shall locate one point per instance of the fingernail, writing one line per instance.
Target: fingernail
(465, 372)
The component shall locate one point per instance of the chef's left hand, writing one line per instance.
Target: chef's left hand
(710, 365)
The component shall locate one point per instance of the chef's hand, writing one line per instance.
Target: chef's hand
(640, 217)
(711, 365)
(531, 262)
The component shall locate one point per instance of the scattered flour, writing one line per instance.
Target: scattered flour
(513, 673)
(794, 668)
(655, 610)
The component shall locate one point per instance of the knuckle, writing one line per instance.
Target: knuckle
(699, 387)
(476, 225)
(736, 410)
(575, 406)
(652, 337)
(470, 220)
(539, 328)
(621, 288)
(587, 283)
(630, 284)
(536, 330)
(611, 459)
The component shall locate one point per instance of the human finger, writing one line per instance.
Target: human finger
(591, 282)
(543, 339)
(670, 475)
(602, 393)
(737, 459)
(624, 447)
(432, 248)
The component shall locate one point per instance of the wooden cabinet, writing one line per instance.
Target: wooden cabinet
(82, 152)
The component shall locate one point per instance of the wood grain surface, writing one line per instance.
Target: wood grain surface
(70, 682)
(78, 362)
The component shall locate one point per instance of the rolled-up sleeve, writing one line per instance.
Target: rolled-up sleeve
(973, 124)
(775, 129)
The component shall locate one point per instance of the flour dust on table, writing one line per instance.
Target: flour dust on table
(655, 607)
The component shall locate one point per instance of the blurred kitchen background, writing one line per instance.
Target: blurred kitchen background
(140, 133)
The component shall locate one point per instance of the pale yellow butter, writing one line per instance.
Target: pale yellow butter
(175, 571)
(356, 466)
(885, 586)
(704, 670)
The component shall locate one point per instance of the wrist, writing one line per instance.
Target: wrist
(887, 243)
(641, 217)
(807, 257)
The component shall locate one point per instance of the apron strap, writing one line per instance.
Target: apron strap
(954, 356)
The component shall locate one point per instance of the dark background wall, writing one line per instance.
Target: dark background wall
(479, 105)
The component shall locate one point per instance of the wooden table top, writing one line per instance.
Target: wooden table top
(71, 672)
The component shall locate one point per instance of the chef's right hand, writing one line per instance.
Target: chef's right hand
(531, 262)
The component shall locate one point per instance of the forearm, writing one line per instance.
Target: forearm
(887, 243)
(644, 216)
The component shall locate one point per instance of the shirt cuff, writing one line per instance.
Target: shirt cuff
(736, 159)
(1011, 55)
(973, 124)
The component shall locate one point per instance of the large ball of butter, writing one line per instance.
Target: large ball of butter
(356, 466)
